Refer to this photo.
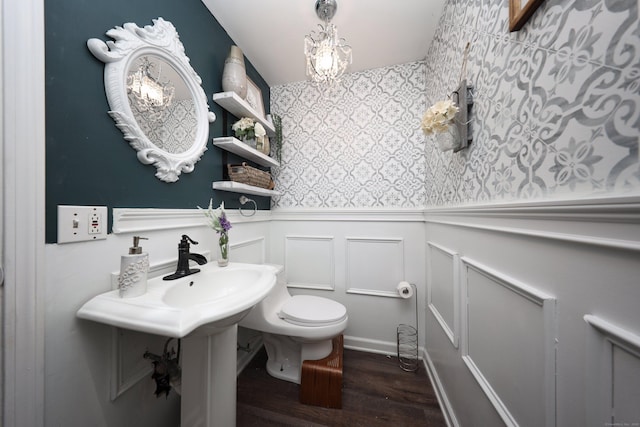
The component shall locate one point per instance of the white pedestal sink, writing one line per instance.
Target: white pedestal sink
(203, 309)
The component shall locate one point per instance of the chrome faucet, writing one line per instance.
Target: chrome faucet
(183, 259)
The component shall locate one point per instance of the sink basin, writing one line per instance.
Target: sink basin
(196, 290)
(216, 296)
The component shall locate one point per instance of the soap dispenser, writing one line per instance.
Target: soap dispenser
(132, 281)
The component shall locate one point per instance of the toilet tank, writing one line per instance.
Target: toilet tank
(271, 304)
(279, 293)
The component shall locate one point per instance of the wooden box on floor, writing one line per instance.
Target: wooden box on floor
(321, 380)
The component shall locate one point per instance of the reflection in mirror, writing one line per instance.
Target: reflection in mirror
(155, 96)
(161, 104)
(148, 93)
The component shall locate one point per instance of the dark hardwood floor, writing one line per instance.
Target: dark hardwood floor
(376, 392)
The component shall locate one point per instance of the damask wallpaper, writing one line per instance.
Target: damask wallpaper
(557, 104)
(357, 146)
(556, 114)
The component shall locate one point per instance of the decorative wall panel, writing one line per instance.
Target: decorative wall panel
(358, 146)
(625, 366)
(252, 251)
(443, 291)
(310, 261)
(375, 266)
(557, 104)
(615, 374)
(505, 361)
(128, 367)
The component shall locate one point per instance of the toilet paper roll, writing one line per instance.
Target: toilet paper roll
(405, 290)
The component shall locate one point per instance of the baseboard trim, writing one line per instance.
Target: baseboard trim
(370, 346)
(441, 395)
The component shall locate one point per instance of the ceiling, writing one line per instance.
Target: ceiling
(380, 32)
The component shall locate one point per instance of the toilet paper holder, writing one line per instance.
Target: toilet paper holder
(407, 335)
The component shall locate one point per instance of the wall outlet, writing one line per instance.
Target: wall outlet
(95, 222)
(81, 223)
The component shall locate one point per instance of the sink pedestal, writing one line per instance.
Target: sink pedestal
(209, 379)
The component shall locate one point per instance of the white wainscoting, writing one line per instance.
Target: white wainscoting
(375, 265)
(516, 265)
(443, 289)
(310, 262)
(614, 366)
(509, 326)
(438, 386)
(127, 365)
(356, 257)
(528, 273)
(137, 220)
(252, 251)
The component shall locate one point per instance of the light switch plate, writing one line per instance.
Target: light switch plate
(81, 223)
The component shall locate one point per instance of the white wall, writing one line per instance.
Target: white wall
(520, 280)
(356, 257)
(88, 364)
(23, 212)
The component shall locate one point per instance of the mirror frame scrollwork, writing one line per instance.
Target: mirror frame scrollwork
(130, 42)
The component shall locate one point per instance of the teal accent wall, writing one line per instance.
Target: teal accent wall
(88, 162)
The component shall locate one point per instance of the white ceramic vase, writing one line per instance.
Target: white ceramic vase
(234, 75)
(266, 145)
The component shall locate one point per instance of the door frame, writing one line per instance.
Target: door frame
(23, 192)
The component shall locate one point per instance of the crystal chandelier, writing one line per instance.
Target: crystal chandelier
(148, 92)
(327, 55)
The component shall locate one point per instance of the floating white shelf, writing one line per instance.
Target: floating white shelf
(237, 106)
(238, 147)
(237, 187)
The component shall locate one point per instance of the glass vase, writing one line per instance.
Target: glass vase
(223, 250)
(449, 139)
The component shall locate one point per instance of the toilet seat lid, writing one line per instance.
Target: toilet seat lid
(308, 310)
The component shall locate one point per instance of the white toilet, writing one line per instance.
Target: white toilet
(295, 328)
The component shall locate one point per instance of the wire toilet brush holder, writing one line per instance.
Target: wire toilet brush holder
(407, 341)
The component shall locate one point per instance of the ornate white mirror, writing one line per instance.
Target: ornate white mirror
(155, 96)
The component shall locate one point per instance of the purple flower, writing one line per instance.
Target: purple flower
(217, 218)
(224, 223)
